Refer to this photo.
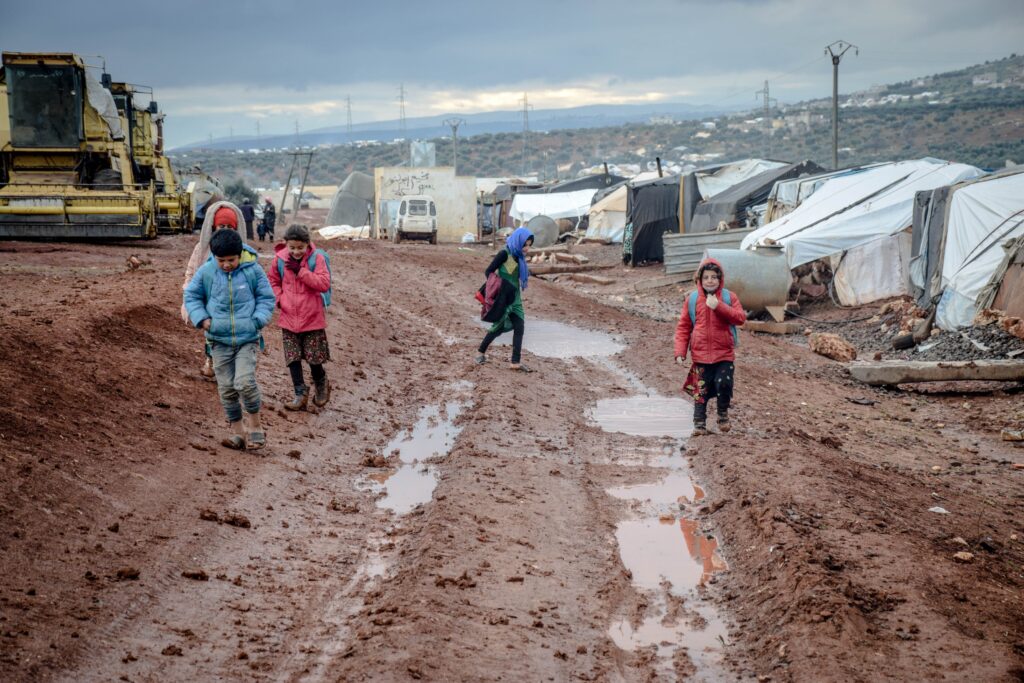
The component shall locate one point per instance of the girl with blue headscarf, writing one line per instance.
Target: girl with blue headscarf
(510, 264)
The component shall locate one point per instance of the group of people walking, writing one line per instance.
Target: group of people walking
(232, 299)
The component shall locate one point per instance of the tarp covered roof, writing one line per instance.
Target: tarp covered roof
(855, 209)
(730, 206)
(555, 205)
(597, 181)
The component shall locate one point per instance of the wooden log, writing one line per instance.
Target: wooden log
(550, 268)
(773, 327)
(571, 258)
(665, 281)
(887, 373)
(550, 250)
(592, 279)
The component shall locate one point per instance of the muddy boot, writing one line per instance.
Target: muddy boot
(723, 423)
(700, 419)
(323, 392)
(300, 400)
(699, 429)
(207, 369)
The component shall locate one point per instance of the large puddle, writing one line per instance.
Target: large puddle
(552, 339)
(413, 481)
(645, 416)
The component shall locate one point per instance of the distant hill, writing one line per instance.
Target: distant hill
(973, 115)
(427, 127)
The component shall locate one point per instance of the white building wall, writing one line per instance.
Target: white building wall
(454, 196)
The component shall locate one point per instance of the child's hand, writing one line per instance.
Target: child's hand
(712, 301)
(680, 360)
(205, 324)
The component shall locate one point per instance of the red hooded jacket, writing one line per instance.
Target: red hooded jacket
(298, 295)
(709, 337)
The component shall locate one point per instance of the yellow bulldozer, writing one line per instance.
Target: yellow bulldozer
(146, 135)
(66, 168)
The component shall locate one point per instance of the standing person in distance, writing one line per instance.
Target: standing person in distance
(269, 217)
(707, 329)
(510, 265)
(300, 277)
(249, 213)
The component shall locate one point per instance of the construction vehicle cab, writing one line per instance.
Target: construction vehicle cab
(65, 165)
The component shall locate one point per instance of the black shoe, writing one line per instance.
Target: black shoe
(323, 392)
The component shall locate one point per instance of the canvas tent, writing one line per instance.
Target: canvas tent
(981, 218)
(351, 203)
(652, 209)
(857, 218)
(608, 215)
(786, 195)
(597, 181)
(571, 205)
(717, 179)
(732, 206)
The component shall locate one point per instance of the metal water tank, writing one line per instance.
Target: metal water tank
(544, 229)
(760, 277)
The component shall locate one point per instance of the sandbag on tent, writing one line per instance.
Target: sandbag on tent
(982, 217)
(351, 203)
(732, 206)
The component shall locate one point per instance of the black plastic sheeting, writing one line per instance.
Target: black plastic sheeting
(652, 208)
(730, 206)
(598, 181)
(929, 226)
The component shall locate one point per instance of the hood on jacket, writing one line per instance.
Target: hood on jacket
(207, 231)
(700, 273)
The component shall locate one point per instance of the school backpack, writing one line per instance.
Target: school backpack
(324, 296)
(726, 299)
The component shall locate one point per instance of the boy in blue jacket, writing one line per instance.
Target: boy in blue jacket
(231, 299)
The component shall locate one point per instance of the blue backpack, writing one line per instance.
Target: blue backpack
(726, 299)
(325, 296)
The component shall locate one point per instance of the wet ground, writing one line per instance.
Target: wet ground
(446, 521)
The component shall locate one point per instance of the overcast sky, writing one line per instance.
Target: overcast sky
(218, 66)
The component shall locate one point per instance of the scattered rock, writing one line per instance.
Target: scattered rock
(240, 521)
(114, 528)
(124, 574)
(462, 581)
(171, 651)
(196, 575)
(832, 346)
(963, 556)
(939, 510)
(514, 579)
(960, 541)
(295, 454)
(346, 508)
(831, 442)
(209, 516)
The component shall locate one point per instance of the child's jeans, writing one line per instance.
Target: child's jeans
(235, 369)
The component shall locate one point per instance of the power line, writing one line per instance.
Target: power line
(526, 127)
(836, 50)
(454, 124)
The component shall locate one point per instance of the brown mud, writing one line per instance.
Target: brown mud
(799, 546)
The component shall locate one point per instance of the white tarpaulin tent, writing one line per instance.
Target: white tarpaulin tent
(982, 217)
(554, 205)
(608, 217)
(853, 210)
(725, 177)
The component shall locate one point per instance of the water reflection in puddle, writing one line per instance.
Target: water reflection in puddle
(676, 488)
(552, 339)
(412, 483)
(645, 416)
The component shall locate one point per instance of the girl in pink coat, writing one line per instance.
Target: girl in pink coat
(300, 277)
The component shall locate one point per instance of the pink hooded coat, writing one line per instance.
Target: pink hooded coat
(298, 295)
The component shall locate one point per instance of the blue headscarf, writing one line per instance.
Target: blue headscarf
(514, 244)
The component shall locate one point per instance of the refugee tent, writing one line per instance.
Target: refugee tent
(571, 205)
(598, 181)
(733, 206)
(717, 179)
(981, 218)
(351, 203)
(1005, 291)
(652, 209)
(608, 215)
(857, 218)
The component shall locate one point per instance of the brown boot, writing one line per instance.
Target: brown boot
(300, 400)
(323, 393)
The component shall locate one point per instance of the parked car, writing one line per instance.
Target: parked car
(417, 218)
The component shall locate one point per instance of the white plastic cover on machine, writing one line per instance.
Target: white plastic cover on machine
(102, 101)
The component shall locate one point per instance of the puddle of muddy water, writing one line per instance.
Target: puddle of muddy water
(413, 482)
(645, 416)
(552, 339)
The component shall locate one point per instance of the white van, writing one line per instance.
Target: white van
(417, 217)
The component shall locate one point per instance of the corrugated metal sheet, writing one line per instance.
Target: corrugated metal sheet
(683, 252)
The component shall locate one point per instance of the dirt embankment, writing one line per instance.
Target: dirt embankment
(115, 496)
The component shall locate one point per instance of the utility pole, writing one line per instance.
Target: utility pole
(526, 127)
(257, 130)
(297, 145)
(348, 122)
(401, 109)
(836, 50)
(454, 124)
(767, 116)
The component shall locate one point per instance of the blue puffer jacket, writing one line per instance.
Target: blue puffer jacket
(239, 304)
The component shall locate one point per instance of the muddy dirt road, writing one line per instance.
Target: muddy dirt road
(446, 521)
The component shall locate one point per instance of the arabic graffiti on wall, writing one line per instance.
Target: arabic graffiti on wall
(404, 185)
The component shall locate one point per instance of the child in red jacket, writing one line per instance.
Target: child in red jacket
(300, 275)
(707, 328)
